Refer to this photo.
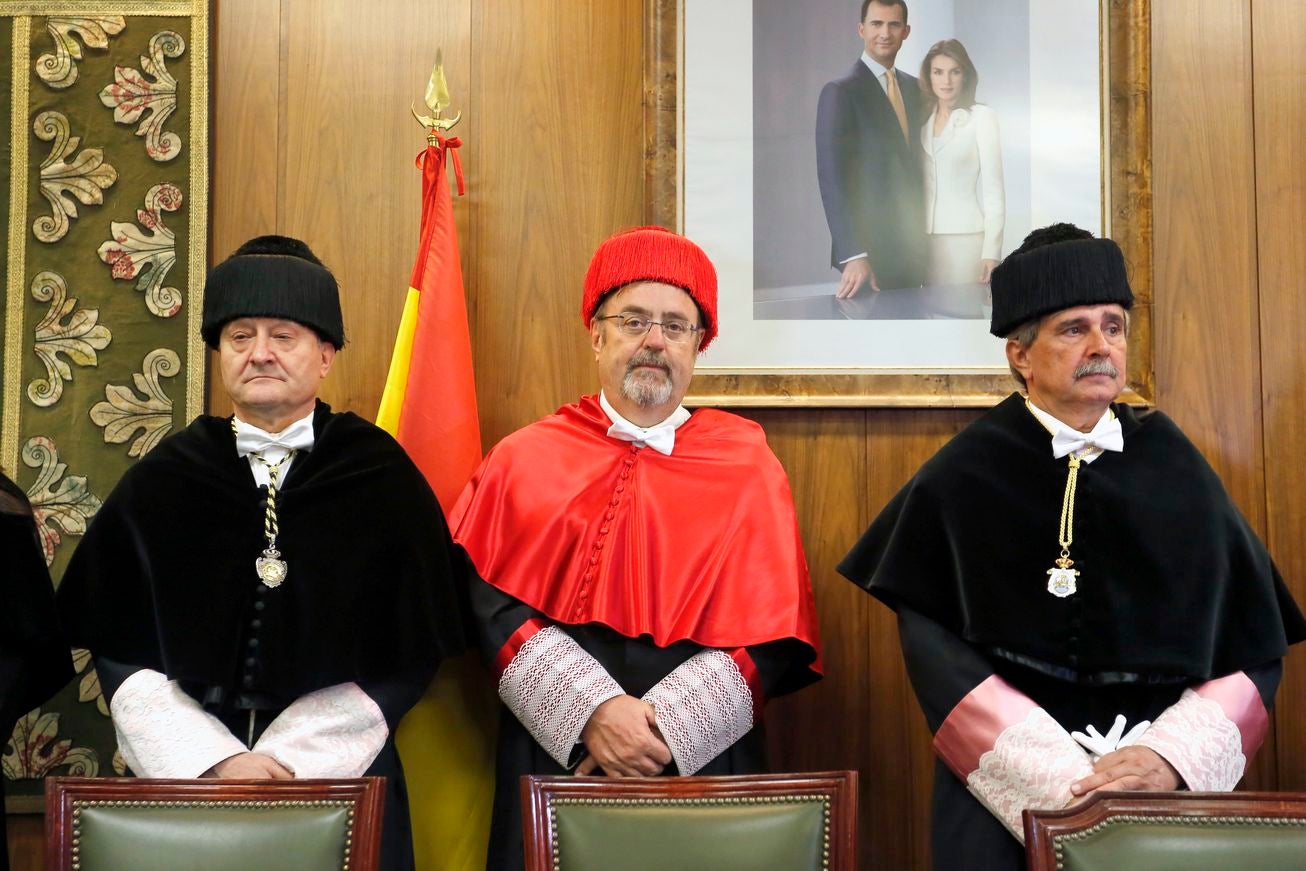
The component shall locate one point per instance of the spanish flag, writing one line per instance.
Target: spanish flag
(429, 405)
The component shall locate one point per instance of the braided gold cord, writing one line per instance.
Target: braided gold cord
(1065, 534)
(270, 527)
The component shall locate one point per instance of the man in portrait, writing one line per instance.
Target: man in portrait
(267, 593)
(868, 160)
(1080, 604)
(641, 586)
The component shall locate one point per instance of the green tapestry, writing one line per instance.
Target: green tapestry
(105, 198)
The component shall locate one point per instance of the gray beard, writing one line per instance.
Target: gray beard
(646, 389)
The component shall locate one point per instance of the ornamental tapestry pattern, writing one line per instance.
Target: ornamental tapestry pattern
(104, 192)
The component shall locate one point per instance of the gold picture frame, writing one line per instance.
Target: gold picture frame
(1125, 50)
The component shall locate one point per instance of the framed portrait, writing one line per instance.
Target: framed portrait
(1008, 115)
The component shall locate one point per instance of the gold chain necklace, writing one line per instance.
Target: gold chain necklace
(1061, 578)
(271, 568)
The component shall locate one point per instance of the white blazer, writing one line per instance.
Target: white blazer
(963, 177)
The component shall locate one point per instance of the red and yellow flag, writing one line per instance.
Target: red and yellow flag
(429, 405)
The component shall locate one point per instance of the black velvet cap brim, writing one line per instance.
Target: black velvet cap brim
(1055, 277)
(272, 286)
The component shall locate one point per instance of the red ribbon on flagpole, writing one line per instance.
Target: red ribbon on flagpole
(445, 145)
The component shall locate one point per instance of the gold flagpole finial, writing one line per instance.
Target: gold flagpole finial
(437, 100)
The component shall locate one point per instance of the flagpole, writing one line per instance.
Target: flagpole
(446, 741)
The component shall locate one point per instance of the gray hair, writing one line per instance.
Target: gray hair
(1024, 336)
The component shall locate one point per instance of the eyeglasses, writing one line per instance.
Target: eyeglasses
(676, 331)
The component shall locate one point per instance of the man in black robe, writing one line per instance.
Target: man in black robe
(34, 658)
(267, 594)
(1080, 604)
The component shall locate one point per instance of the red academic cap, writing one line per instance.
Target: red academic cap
(652, 254)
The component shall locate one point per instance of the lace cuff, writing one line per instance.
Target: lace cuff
(1031, 765)
(553, 686)
(703, 706)
(332, 732)
(1200, 741)
(162, 732)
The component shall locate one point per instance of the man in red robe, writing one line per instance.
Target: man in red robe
(642, 588)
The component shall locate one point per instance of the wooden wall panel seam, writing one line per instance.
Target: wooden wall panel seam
(1277, 29)
(283, 100)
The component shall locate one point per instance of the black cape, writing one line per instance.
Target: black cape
(164, 576)
(1174, 584)
(34, 659)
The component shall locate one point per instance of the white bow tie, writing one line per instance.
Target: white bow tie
(1105, 436)
(661, 438)
(296, 437)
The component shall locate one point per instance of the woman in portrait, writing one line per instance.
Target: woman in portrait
(965, 208)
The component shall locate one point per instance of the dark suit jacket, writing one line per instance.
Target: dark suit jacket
(870, 177)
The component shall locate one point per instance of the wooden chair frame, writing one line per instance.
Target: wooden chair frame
(1043, 828)
(64, 796)
(837, 788)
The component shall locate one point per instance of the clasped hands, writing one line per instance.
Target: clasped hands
(1130, 768)
(1121, 765)
(623, 740)
(249, 766)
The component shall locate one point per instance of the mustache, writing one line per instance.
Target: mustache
(1096, 366)
(648, 357)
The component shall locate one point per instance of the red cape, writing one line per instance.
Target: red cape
(702, 545)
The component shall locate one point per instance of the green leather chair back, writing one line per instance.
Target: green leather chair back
(213, 836)
(1185, 843)
(700, 834)
(136, 824)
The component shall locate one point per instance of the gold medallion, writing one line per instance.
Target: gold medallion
(271, 568)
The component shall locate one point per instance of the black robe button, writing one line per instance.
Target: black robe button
(247, 681)
(253, 642)
(251, 662)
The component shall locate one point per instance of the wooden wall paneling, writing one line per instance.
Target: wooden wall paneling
(26, 834)
(1278, 32)
(349, 185)
(558, 150)
(901, 766)
(1207, 336)
(246, 127)
(1207, 327)
(826, 726)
